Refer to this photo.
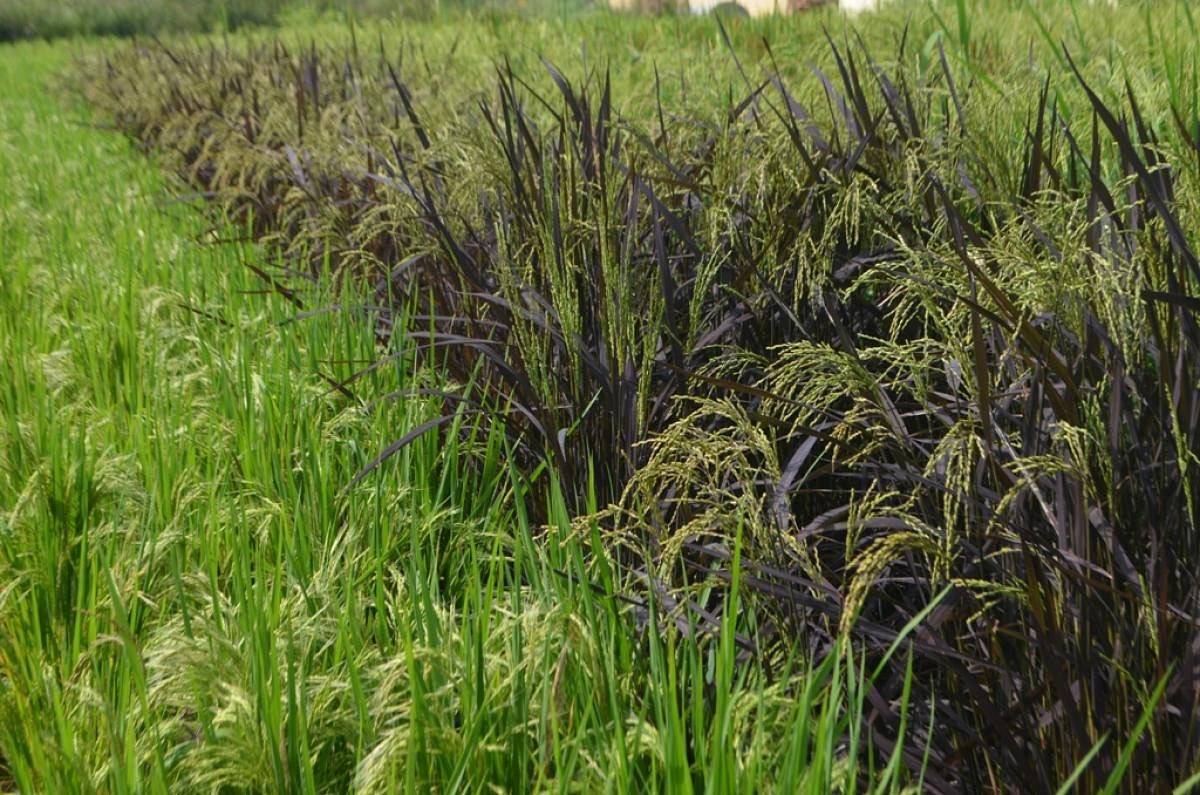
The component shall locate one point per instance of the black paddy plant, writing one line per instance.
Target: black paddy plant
(844, 320)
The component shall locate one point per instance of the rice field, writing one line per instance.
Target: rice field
(192, 599)
(523, 402)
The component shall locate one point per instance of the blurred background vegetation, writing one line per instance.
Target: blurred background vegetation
(37, 19)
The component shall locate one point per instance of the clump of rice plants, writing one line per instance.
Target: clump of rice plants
(887, 327)
(193, 601)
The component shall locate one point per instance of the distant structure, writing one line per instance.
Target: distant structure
(754, 8)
